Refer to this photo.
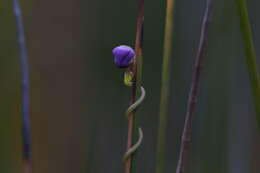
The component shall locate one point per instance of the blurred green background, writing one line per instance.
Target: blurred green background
(78, 97)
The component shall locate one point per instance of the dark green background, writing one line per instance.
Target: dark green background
(78, 97)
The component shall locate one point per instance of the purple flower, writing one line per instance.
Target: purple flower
(123, 56)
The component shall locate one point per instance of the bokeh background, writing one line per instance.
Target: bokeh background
(78, 97)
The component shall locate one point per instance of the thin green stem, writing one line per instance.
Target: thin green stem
(250, 55)
(165, 87)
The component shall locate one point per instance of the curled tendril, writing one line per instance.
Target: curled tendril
(131, 108)
(137, 103)
(135, 146)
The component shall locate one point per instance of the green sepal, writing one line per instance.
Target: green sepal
(128, 77)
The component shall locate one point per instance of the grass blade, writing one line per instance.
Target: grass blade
(250, 55)
(165, 87)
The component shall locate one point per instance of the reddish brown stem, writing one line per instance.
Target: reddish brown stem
(136, 68)
(187, 130)
(28, 167)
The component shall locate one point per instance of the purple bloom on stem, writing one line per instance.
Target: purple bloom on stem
(123, 56)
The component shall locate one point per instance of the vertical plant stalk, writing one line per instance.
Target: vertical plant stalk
(136, 68)
(192, 100)
(250, 55)
(165, 87)
(25, 102)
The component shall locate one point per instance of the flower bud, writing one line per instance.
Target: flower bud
(123, 56)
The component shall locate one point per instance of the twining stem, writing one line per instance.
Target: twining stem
(136, 68)
(24, 68)
(164, 103)
(250, 55)
(187, 130)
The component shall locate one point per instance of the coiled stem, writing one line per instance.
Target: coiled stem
(135, 147)
(132, 108)
(137, 103)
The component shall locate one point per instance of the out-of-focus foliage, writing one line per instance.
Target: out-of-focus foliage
(10, 134)
(79, 99)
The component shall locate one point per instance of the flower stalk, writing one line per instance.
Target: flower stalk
(136, 69)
